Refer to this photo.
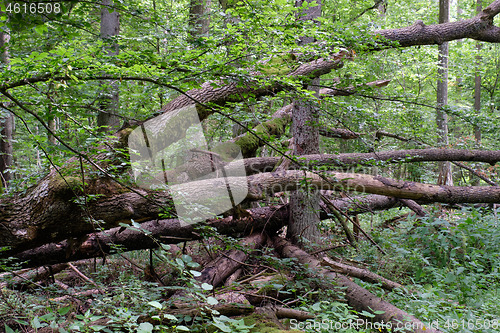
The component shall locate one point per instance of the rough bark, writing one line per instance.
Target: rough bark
(261, 185)
(171, 231)
(361, 273)
(149, 235)
(357, 297)
(219, 269)
(479, 28)
(264, 164)
(110, 27)
(339, 133)
(249, 143)
(41, 215)
(304, 203)
(477, 85)
(198, 18)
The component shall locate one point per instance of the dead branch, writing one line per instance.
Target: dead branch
(363, 274)
(357, 297)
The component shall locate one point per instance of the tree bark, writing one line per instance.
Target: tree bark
(109, 101)
(199, 20)
(477, 86)
(348, 160)
(41, 215)
(479, 28)
(172, 232)
(150, 235)
(445, 172)
(249, 143)
(304, 203)
(7, 121)
(361, 273)
(219, 269)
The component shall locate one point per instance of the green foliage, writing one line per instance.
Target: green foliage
(450, 264)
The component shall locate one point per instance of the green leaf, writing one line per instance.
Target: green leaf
(169, 316)
(8, 329)
(223, 327)
(145, 328)
(41, 29)
(195, 273)
(206, 286)
(156, 304)
(212, 301)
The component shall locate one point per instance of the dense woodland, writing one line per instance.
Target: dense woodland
(368, 138)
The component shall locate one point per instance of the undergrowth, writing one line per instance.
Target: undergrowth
(448, 261)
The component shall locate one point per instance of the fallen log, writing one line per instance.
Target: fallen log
(360, 273)
(170, 231)
(29, 278)
(266, 164)
(357, 297)
(261, 185)
(227, 263)
(151, 234)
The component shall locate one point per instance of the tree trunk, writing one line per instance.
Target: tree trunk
(107, 121)
(304, 204)
(199, 20)
(219, 269)
(477, 86)
(150, 235)
(357, 297)
(445, 172)
(6, 122)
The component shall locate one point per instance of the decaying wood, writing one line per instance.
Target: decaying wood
(41, 215)
(171, 231)
(233, 277)
(266, 164)
(17, 280)
(151, 234)
(249, 142)
(231, 309)
(357, 297)
(339, 133)
(414, 207)
(84, 277)
(361, 273)
(380, 134)
(261, 185)
(479, 28)
(219, 269)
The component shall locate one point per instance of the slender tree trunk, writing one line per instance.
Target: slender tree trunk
(110, 27)
(304, 204)
(445, 172)
(7, 121)
(477, 85)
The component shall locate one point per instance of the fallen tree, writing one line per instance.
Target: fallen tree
(358, 297)
(40, 217)
(171, 231)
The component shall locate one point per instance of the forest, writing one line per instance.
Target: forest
(249, 166)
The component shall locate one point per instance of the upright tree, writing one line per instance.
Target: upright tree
(199, 19)
(304, 204)
(477, 84)
(445, 172)
(109, 101)
(7, 120)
